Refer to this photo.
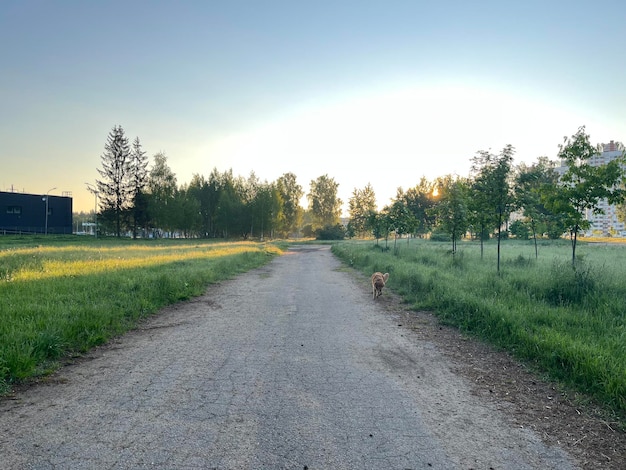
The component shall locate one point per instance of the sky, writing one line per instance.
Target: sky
(366, 92)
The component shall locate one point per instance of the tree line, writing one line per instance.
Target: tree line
(138, 200)
(546, 202)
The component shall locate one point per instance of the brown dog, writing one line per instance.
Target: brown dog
(378, 282)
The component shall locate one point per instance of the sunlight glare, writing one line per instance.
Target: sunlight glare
(391, 139)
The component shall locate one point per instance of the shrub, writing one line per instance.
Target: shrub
(331, 232)
(520, 230)
(307, 231)
(439, 236)
(521, 261)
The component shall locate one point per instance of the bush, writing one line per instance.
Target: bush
(520, 230)
(521, 261)
(439, 236)
(331, 232)
(307, 231)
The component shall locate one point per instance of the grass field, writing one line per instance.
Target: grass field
(62, 296)
(569, 323)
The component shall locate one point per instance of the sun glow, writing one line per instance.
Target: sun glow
(391, 139)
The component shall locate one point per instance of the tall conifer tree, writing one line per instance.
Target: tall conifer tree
(114, 188)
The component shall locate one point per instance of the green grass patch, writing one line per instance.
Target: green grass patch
(569, 323)
(68, 295)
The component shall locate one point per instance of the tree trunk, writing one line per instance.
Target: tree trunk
(574, 237)
(498, 268)
(532, 226)
(499, 237)
(480, 236)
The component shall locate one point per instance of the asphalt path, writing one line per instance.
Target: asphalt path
(290, 366)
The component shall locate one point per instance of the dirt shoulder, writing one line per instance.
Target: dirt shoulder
(561, 418)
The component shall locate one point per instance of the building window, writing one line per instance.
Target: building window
(14, 210)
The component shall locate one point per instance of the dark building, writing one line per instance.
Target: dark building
(26, 213)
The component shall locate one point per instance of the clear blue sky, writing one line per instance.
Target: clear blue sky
(367, 92)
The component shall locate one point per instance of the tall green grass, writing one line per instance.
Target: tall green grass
(62, 298)
(570, 323)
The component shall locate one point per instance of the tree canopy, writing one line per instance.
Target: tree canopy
(115, 188)
(324, 204)
(492, 190)
(529, 184)
(361, 205)
(583, 185)
(451, 212)
(143, 199)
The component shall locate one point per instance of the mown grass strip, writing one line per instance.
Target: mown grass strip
(55, 307)
(568, 323)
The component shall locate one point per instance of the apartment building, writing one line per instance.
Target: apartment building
(606, 224)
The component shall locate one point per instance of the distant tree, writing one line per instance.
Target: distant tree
(184, 213)
(479, 216)
(115, 189)
(251, 210)
(324, 204)
(162, 188)
(583, 185)
(492, 188)
(230, 216)
(450, 210)
(290, 194)
(200, 191)
(400, 218)
(375, 222)
(360, 205)
(212, 195)
(138, 172)
(384, 224)
(350, 230)
(529, 184)
(521, 229)
(419, 200)
(269, 206)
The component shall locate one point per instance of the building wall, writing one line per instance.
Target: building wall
(606, 224)
(26, 213)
